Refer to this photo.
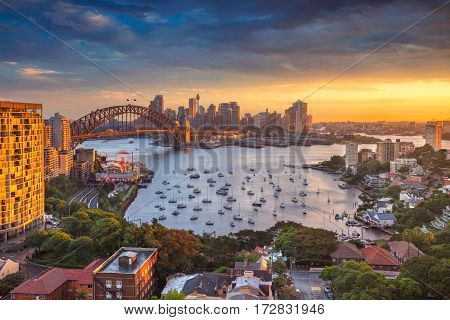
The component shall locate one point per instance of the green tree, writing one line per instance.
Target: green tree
(36, 239)
(174, 295)
(57, 243)
(10, 281)
(406, 289)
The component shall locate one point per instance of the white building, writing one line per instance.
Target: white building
(410, 163)
(8, 267)
(351, 155)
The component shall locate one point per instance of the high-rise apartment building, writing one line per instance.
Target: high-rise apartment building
(129, 274)
(60, 129)
(50, 163)
(387, 150)
(351, 155)
(21, 167)
(297, 117)
(433, 134)
(48, 139)
(65, 162)
(157, 104)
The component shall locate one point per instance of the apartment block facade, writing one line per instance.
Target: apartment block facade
(21, 167)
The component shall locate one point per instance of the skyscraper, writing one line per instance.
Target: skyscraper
(192, 107)
(433, 134)
(157, 104)
(21, 167)
(351, 155)
(60, 130)
(297, 117)
(235, 113)
(387, 150)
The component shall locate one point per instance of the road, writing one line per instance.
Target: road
(88, 196)
(309, 283)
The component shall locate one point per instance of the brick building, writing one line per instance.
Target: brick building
(59, 284)
(129, 274)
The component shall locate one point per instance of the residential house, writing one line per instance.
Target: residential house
(59, 284)
(382, 220)
(250, 287)
(8, 267)
(380, 259)
(403, 250)
(200, 286)
(346, 251)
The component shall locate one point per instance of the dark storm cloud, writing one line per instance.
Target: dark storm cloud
(252, 35)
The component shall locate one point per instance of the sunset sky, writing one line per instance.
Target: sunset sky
(263, 54)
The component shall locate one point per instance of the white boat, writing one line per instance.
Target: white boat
(194, 217)
(175, 213)
(251, 221)
(304, 211)
(262, 199)
(196, 190)
(163, 196)
(162, 217)
(197, 208)
(191, 196)
(194, 176)
(294, 199)
(189, 186)
(227, 206)
(209, 223)
(250, 193)
(232, 224)
(220, 175)
(220, 211)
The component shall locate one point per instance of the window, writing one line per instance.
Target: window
(119, 295)
(108, 295)
(119, 284)
(108, 284)
(90, 286)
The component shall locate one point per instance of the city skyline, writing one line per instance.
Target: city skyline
(179, 50)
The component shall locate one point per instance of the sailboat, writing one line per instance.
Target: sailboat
(282, 206)
(294, 199)
(198, 208)
(318, 188)
(181, 205)
(206, 200)
(238, 216)
(329, 198)
(173, 200)
(274, 212)
(221, 210)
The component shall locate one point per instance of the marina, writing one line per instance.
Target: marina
(248, 182)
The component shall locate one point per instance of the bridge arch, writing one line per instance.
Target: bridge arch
(82, 128)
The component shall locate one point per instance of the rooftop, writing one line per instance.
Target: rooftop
(405, 249)
(347, 250)
(56, 277)
(112, 265)
(378, 256)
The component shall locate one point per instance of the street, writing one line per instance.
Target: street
(308, 283)
(88, 196)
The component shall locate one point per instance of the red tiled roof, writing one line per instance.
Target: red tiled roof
(378, 256)
(56, 277)
(405, 249)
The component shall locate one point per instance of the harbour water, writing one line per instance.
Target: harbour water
(235, 164)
